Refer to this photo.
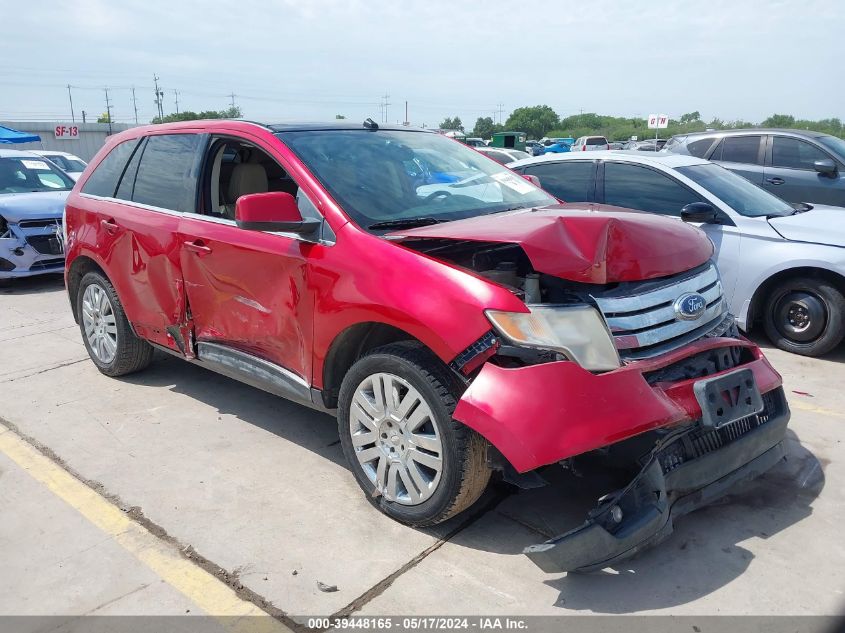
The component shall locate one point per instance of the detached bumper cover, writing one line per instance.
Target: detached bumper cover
(687, 470)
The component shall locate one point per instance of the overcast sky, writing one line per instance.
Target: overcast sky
(312, 59)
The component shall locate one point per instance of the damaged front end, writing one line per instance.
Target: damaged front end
(688, 468)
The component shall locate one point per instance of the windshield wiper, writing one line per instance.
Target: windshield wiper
(406, 223)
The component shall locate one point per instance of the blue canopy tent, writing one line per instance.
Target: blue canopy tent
(8, 135)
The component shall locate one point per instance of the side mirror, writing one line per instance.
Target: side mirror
(700, 212)
(532, 179)
(825, 166)
(272, 211)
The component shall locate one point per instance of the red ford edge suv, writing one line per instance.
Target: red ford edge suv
(458, 322)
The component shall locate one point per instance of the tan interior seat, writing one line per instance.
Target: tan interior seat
(246, 178)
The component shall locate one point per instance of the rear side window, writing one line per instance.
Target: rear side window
(569, 181)
(644, 189)
(699, 148)
(738, 149)
(794, 153)
(103, 181)
(167, 173)
(596, 140)
(127, 181)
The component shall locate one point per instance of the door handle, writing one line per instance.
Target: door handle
(775, 181)
(109, 225)
(197, 247)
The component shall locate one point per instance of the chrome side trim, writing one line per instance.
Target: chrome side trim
(205, 218)
(254, 371)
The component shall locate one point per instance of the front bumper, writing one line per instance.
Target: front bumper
(540, 414)
(686, 470)
(32, 250)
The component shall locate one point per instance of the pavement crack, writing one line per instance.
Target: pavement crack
(380, 587)
(44, 371)
(231, 579)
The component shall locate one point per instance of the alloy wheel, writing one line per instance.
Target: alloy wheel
(99, 322)
(396, 439)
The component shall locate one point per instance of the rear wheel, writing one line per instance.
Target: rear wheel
(805, 316)
(106, 332)
(414, 462)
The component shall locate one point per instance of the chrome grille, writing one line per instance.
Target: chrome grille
(645, 324)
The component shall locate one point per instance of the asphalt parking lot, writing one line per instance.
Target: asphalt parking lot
(202, 495)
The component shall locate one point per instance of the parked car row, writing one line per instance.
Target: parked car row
(782, 264)
(796, 165)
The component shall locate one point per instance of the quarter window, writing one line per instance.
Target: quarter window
(644, 189)
(738, 149)
(167, 173)
(569, 181)
(103, 181)
(699, 148)
(794, 153)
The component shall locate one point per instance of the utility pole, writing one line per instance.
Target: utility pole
(386, 103)
(108, 110)
(83, 116)
(176, 92)
(232, 105)
(406, 114)
(159, 100)
(500, 111)
(135, 105)
(70, 98)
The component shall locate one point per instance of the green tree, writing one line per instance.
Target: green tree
(485, 128)
(339, 117)
(105, 117)
(452, 124)
(533, 120)
(779, 120)
(189, 115)
(689, 117)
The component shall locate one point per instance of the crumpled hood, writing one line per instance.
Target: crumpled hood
(585, 242)
(822, 224)
(31, 206)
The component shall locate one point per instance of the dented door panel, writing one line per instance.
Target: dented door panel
(247, 289)
(138, 248)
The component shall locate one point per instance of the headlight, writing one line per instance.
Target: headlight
(3, 226)
(578, 332)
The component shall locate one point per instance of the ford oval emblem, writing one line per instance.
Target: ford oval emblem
(690, 306)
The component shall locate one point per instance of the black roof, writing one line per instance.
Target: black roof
(337, 125)
(756, 130)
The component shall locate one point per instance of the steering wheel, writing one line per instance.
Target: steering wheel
(436, 195)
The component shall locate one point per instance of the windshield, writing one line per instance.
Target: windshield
(743, 196)
(398, 176)
(22, 175)
(834, 143)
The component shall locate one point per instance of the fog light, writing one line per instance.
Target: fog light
(18, 251)
(616, 514)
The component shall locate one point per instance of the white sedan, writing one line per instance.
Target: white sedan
(71, 164)
(781, 264)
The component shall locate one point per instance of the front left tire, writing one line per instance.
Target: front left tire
(414, 462)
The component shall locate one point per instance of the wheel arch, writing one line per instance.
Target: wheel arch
(80, 267)
(759, 297)
(350, 345)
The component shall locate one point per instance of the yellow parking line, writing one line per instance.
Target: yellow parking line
(803, 405)
(206, 591)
